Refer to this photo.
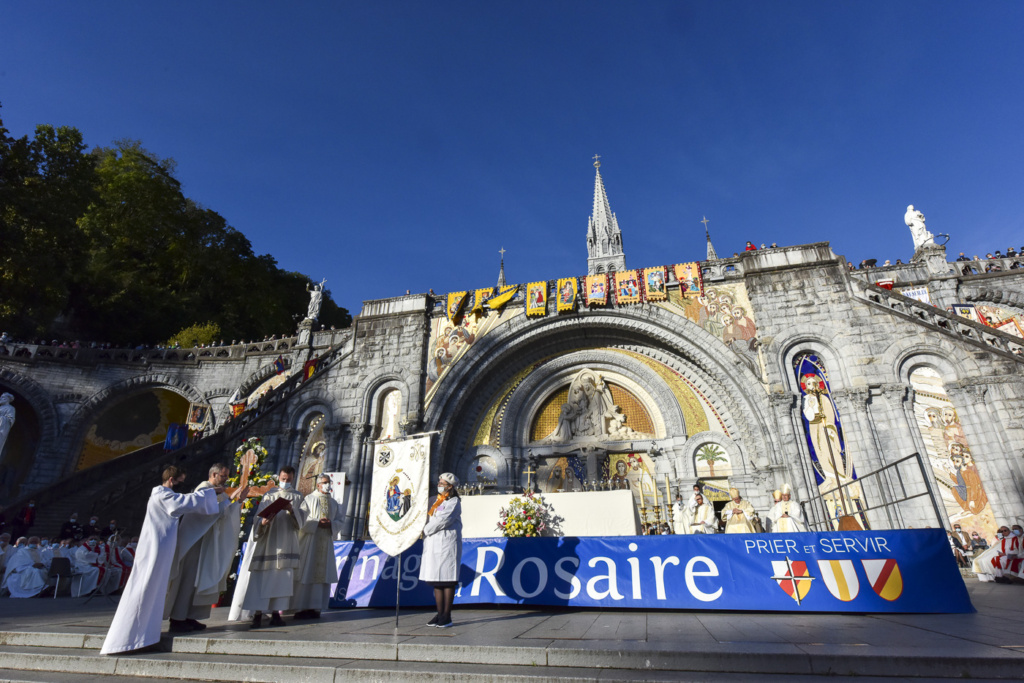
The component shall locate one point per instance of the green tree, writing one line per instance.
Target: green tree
(711, 454)
(195, 335)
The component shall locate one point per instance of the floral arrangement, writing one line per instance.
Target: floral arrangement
(527, 515)
(256, 478)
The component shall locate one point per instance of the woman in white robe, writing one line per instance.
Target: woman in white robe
(442, 548)
(140, 613)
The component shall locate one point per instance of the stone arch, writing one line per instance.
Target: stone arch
(372, 393)
(906, 360)
(39, 399)
(34, 435)
(258, 377)
(76, 427)
(686, 462)
(519, 342)
(804, 342)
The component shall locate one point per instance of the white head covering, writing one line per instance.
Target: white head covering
(450, 478)
(786, 489)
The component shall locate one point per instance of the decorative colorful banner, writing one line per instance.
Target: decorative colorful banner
(1010, 326)
(198, 416)
(917, 293)
(480, 297)
(309, 367)
(690, 277)
(967, 311)
(597, 290)
(874, 571)
(398, 494)
(567, 294)
(238, 408)
(537, 298)
(654, 283)
(627, 289)
(177, 436)
(279, 365)
(503, 297)
(455, 303)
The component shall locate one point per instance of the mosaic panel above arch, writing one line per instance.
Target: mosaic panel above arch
(637, 417)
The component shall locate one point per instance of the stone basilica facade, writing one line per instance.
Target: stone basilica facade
(902, 384)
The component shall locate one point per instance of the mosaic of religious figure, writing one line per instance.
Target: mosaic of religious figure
(590, 413)
(446, 342)
(949, 453)
(633, 471)
(311, 463)
(561, 473)
(724, 311)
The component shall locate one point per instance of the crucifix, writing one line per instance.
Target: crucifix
(597, 160)
(529, 477)
(705, 222)
(502, 252)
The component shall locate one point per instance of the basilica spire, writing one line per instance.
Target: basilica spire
(712, 256)
(501, 273)
(604, 240)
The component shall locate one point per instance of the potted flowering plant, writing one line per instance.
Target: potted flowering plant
(526, 516)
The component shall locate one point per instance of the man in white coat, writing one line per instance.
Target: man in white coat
(787, 516)
(442, 548)
(322, 518)
(202, 558)
(266, 581)
(703, 517)
(140, 613)
(26, 574)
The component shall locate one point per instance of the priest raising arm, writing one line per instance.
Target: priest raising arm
(322, 518)
(206, 546)
(139, 615)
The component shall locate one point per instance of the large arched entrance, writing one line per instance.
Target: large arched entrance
(21, 445)
(129, 423)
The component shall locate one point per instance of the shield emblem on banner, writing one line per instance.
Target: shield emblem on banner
(398, 493)
(885, 578)
(793, 577)
(840, 578)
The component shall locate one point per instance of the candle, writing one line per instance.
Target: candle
(668, 494)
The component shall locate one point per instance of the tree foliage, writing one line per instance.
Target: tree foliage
(103, 245)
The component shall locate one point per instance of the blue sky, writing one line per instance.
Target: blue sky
(394, 145)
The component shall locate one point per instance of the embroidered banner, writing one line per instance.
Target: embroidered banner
(1010, 326)
(503, 297)
(917, 293)
(567, 294)
(855, 571)
(537, 298)
(690, 277)
(967, 311)
(455, 303)
(627, 289)
(279, 365)
(480, 297)
(309, 367)
(597, 290)
(177, 436)
(398, 493)
(198, 416)
(654, 283)
(238, 408)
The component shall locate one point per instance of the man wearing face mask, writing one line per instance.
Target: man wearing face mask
(95, 574)
(266, 580)
(26, 573)
(71, 529)
(1003, 559)
(93, 528)
(206, 546)
(442, 548)
(317, 569)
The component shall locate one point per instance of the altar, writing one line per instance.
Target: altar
(582, 513)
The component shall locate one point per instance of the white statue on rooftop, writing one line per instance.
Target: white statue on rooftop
(915, 221)
(316, 295)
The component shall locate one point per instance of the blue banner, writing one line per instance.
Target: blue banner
(855, 571)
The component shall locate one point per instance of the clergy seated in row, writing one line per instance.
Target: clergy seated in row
(97, 572)
(139, 615)
(786, 515)
(266, 582)
(739, 515)
(202, 558)
(27, 571)
(322, 518)
(1003, 562)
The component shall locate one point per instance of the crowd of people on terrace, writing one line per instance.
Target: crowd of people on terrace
(76, 344)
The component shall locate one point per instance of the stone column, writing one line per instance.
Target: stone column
(793, 466)
(335, 439)
(861, 447)
(352, 527)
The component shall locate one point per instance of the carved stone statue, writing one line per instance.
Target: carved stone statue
(590, 413)
(915, 221)
(316, 295)
(6, 418)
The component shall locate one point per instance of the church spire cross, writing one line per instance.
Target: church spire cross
(604, 240)
(597, 160)
(501, 273)
(712, 256)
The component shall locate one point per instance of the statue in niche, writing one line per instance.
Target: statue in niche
(6, 417)
(590, 413)
(915, 221)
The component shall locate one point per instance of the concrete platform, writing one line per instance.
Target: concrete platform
(59, 640)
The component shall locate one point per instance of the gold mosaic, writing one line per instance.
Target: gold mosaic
(637, 417)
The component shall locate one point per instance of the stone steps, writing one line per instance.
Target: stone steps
(283, 659)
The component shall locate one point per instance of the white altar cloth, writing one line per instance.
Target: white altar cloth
(584, 513)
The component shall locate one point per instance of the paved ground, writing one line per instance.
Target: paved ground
(987, 643)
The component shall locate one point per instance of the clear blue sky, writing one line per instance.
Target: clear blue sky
(393, 145)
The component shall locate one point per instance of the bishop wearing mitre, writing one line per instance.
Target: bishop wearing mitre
(322, 518)
(738, 514)
(787, 515)
(266, 580)
(206, 546)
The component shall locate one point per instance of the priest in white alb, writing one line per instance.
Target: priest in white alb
(202, 558)
(89, 561)
(27, 571)
(738, 514)
(318, 569)
(140, 613)
(703, 519)
(266, 580)
(787, 516)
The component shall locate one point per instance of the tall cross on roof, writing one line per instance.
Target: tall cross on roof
(711, 250)
(597, 160)
(502, 252)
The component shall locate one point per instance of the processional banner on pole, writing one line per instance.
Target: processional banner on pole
(840, 571)
(398, 497)
(597, 290)
(627, 289)
(567, 294)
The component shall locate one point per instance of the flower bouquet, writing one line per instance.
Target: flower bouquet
(527, 515)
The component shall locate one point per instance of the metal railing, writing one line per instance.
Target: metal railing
(893, 485)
